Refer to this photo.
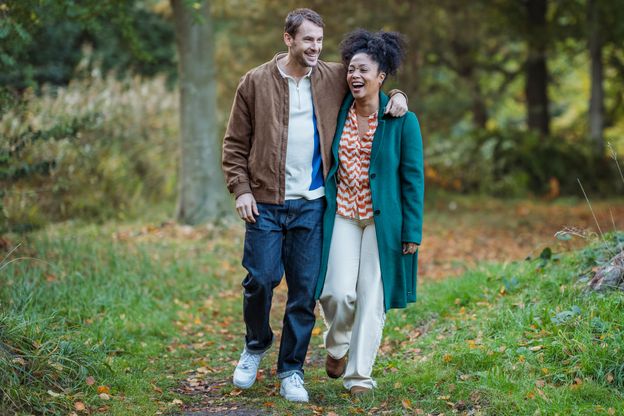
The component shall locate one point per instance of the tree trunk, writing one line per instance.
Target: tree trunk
(202, 196)
(536, 88)
(466, 69)
(596, 101)
(479, 109)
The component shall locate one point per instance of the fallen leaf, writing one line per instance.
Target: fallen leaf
(236, 392)
(79, 406)
(407, 404)
(447, 358)
(203, 370)
(610, 378)
(53, 394)
(90, 381)
(104, 396)
(19, 360)
(177, 402)
(536, 348)
(541, 393)
(316, 331)
(103, 389)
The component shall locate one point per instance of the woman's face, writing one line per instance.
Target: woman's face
(364, 77)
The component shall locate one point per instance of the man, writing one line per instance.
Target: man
(276, 153)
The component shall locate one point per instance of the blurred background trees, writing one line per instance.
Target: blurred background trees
(515, 97)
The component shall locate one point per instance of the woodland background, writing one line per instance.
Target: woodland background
(120, 257)
(516, 98)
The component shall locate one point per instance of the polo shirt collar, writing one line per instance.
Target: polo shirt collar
(285, 75)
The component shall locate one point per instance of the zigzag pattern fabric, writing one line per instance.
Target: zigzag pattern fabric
(354, 198)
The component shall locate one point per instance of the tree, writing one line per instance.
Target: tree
(596, 100)
(202, 194)
(536, 87)
(201, 186)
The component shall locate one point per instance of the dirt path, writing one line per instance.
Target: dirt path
(458, 234)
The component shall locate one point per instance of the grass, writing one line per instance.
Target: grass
(131, 319)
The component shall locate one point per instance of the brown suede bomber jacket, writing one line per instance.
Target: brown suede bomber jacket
(254, 146)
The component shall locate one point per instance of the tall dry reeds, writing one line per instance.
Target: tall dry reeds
(109, 146)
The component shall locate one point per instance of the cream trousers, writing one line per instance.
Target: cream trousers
(352, 299)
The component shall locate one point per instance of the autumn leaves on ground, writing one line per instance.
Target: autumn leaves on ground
(145, 318)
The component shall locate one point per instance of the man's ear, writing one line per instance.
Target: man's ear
(288, 39)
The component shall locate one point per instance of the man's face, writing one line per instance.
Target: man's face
(306, 46)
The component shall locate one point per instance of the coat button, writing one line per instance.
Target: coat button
(373, 175)
(377, 212)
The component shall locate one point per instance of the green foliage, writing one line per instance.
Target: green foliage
(144, 313)
(463, 75)
(40, 362)
(98, 149)
(46, 40)
(75, 304)
(516, 163)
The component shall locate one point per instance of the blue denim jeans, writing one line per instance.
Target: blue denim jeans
(285, 240)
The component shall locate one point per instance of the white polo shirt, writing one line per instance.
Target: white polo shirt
(304, 167)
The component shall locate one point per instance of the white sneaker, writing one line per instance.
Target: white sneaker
(292, 389)
(247, 369)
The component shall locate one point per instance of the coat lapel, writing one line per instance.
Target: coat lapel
(381, 123)
(342, 117)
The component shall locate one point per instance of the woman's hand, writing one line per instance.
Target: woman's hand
(410, 248)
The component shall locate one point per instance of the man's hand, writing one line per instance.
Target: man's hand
(246, 207)
(397, 106)
(410, 248)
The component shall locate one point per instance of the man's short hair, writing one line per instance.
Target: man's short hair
(296, 18)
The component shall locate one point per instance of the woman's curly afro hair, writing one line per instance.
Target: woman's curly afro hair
(385, 48)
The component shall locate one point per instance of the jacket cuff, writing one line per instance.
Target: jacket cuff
(241, 188)
(395, 91)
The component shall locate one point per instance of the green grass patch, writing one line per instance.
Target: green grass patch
(139, 320)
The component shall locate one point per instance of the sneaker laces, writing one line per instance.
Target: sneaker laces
(296, 380)
(249, 360)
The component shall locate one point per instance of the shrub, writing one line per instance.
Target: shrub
(99, 148)
(515, 163)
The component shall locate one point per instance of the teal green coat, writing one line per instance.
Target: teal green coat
(396, 177)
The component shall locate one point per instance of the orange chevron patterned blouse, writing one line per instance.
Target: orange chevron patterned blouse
(354, 198)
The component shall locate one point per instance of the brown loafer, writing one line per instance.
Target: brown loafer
(359, 390)
(335, 368)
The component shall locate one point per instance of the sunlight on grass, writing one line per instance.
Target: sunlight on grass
(141, 319)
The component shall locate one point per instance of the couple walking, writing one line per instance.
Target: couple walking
(327, 173)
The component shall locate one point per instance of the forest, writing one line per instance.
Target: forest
(120, 251)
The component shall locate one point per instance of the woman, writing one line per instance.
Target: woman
(373, 221)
